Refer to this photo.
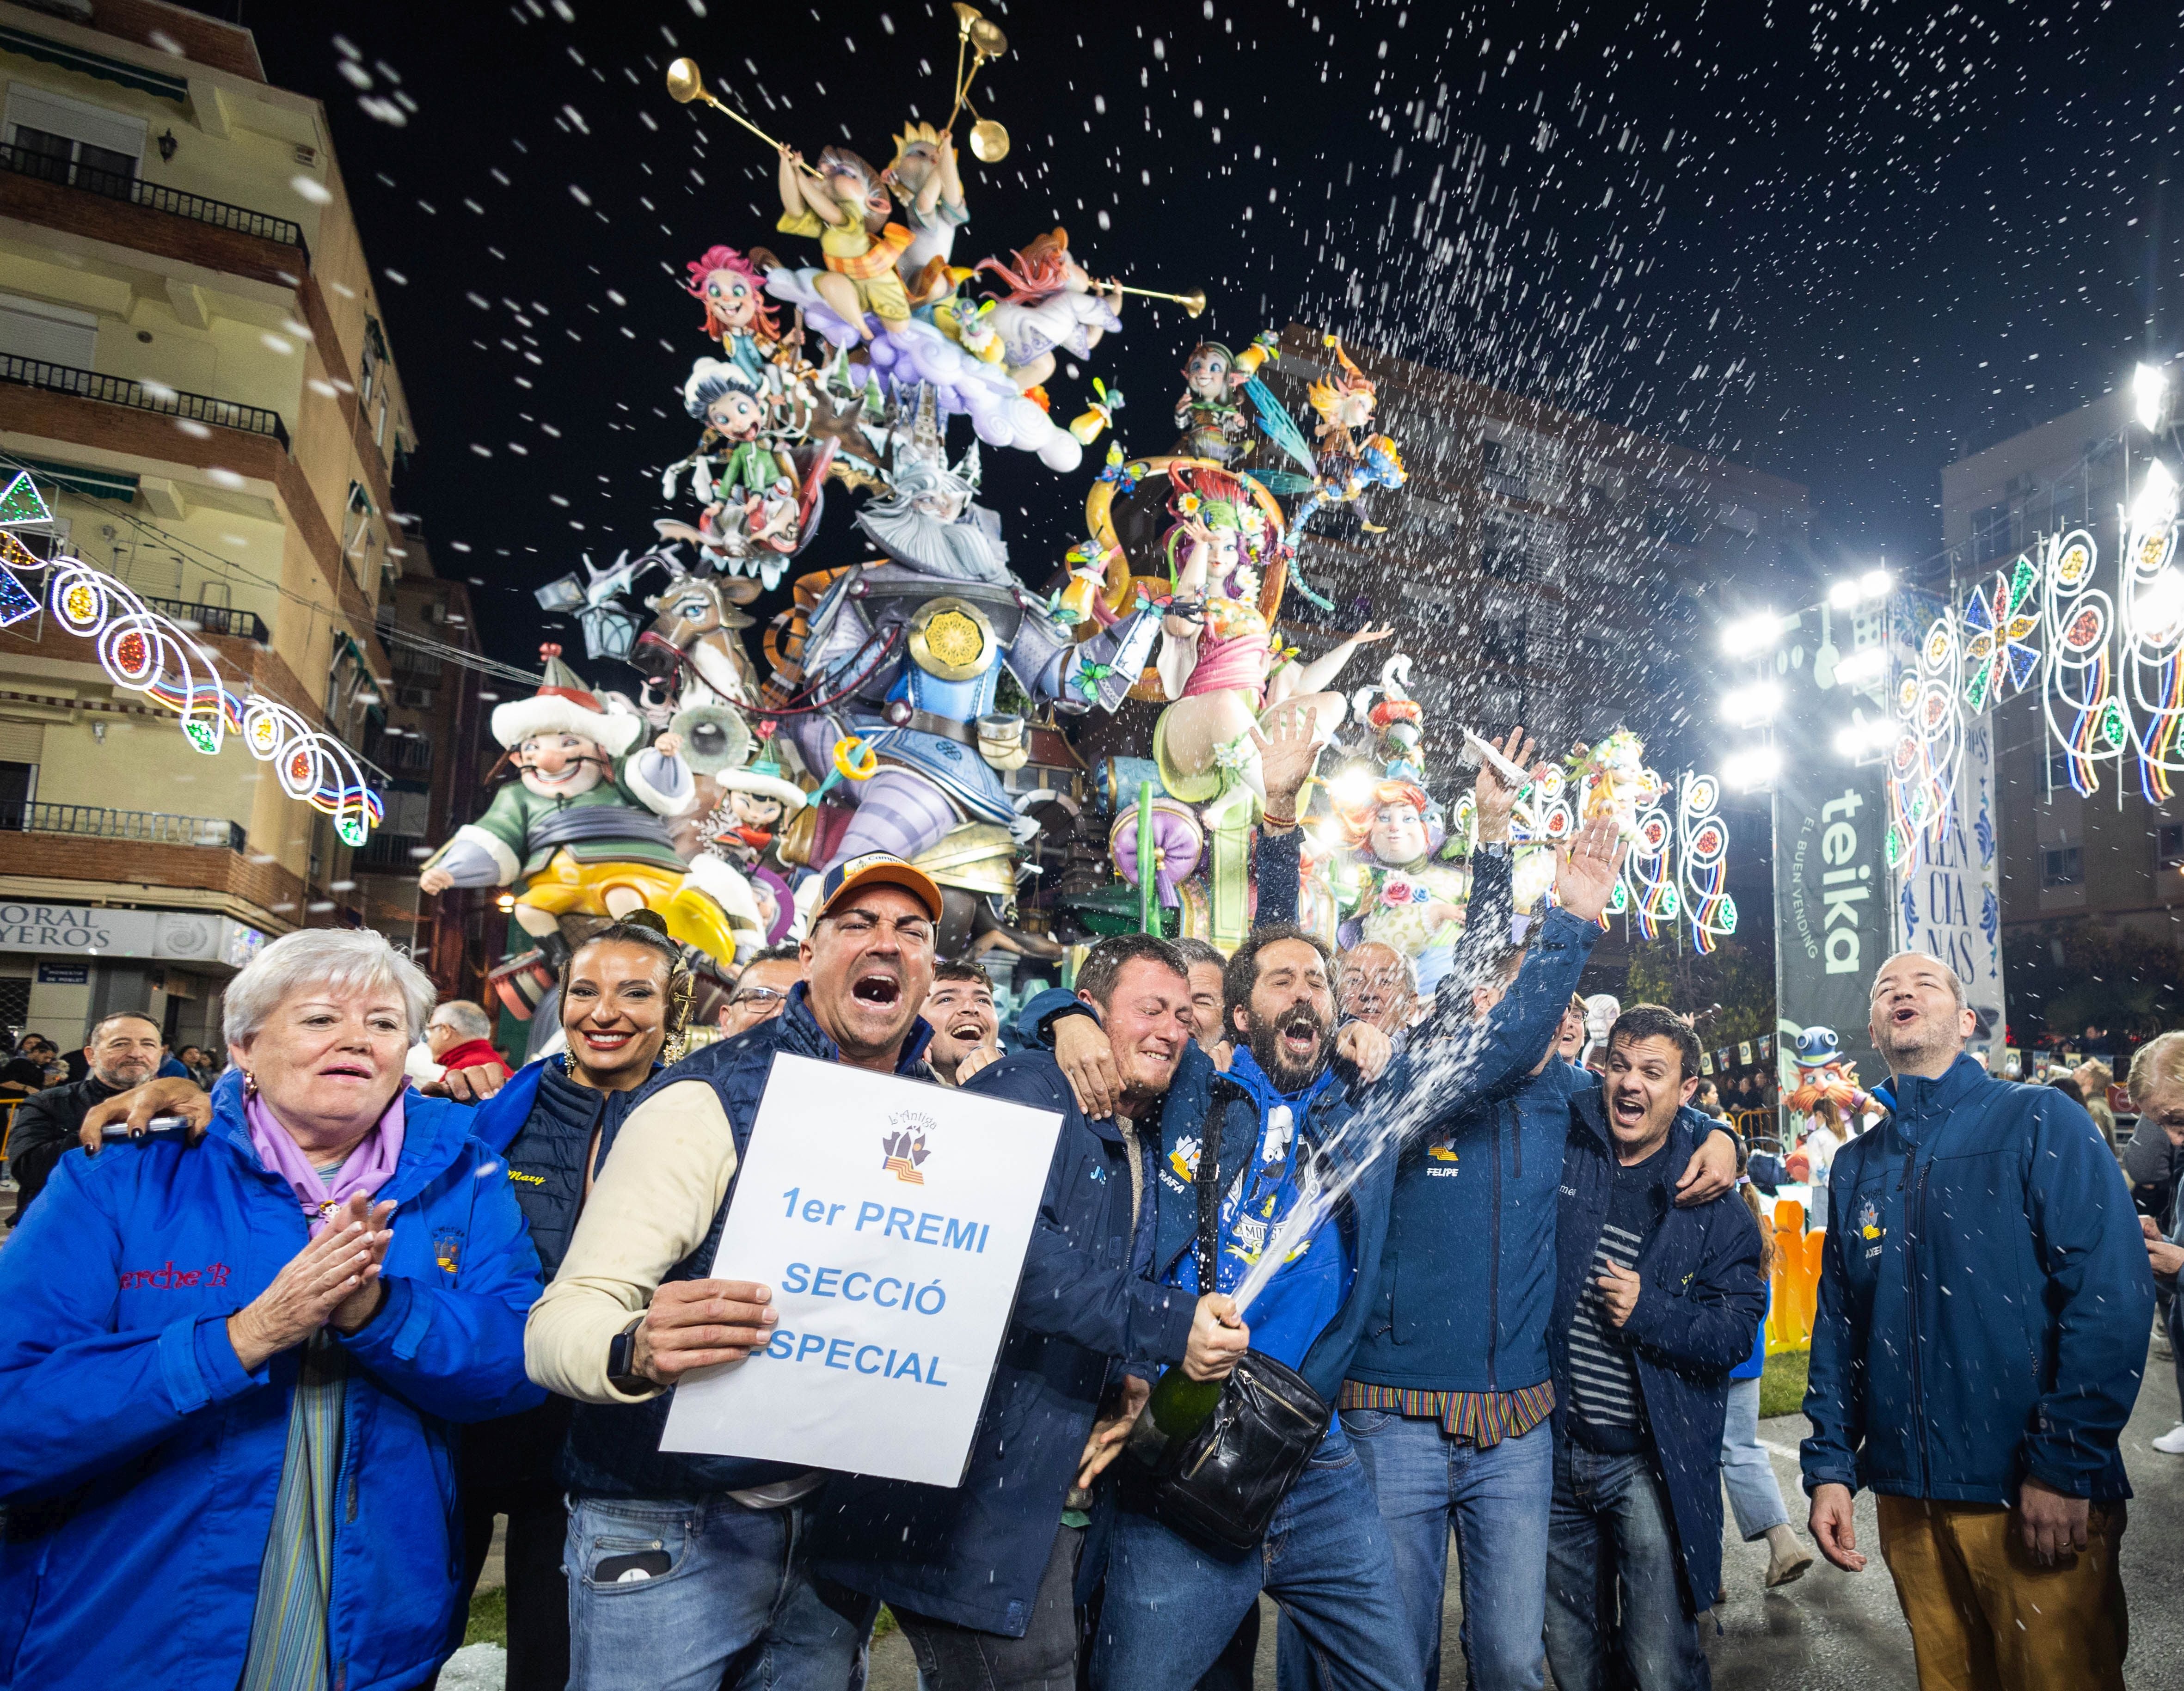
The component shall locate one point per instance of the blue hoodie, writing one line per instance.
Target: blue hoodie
(1984, 1299)
(142, 1461)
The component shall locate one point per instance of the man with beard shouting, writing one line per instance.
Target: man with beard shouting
(1171, 1604)
(632, 1312)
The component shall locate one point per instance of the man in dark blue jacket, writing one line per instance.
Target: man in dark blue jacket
(633, 1311)
(1654, 1304)
(1448, 1396)
(1170, 1605)
(981, 1577)
(1981, 1332)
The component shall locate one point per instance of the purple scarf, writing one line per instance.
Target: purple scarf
(369, 1166)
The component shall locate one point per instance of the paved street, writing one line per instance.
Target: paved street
(1837, 1632)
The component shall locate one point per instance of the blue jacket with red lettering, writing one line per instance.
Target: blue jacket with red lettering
(141, 1460)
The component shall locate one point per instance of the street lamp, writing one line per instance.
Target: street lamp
(2149, 393)
(1749, 635)
(1865, 734)
(2156, 501)
(1748, 707)
(1852, 592)
(1754, 766)
(1863, 666)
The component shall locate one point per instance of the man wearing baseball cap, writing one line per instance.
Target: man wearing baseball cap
(633, 1311)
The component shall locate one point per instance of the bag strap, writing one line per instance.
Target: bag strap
(1206, 1181)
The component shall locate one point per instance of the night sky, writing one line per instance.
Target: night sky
(1843, 244)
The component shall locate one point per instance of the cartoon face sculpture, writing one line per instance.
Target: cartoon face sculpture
(737, 415)
(1398, 833)
(916, 158)
(560, 766)
(757, 810)
(731, 299)
(1206, 373)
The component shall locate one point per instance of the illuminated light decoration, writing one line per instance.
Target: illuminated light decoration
(1649, 874)
(143, 651)
(2000, 621)
(20, 507)
(1929, 741)
(18, 599)
(2153, 628)
(1704, 842)
(2085, 715)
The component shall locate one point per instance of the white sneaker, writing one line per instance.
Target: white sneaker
(2171, 1442)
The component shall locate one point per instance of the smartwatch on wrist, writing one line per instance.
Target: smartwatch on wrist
(1493, 847)
(621, 1362)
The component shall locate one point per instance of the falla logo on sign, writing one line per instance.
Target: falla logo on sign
(1845, 884)
(903, 1146)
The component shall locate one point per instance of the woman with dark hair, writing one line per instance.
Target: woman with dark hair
(625, 998)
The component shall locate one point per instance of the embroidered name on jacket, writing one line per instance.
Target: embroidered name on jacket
(170, 1278)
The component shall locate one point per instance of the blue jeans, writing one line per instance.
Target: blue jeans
(733, 1605)
(1171, 1606)
(1496, 1499)
(1754, 1494)
(1615, 1579)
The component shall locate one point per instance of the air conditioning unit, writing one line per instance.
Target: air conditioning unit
(414, 698)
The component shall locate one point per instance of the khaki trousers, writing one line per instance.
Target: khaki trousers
(1985, 1616)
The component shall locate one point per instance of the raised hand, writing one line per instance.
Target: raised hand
(1493, 793)
(1585, 868)
(1287, 752)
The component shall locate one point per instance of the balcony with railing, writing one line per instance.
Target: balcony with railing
(152, 827)
(211, 618)
(195, 412)
(114, 184)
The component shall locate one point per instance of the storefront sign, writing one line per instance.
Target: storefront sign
(186, 936)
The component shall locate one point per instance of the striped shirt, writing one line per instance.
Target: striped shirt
(1607, 1410)
(1481, 1419)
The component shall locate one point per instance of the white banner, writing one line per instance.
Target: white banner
(890, 1217)
(1948, 899)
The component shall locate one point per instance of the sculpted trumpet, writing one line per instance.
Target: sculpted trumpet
(1193, 303)
(685, 84)
(989, 141)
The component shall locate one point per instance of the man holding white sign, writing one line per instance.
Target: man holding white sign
(632, 1313)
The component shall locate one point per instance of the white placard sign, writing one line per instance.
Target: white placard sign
(891, 1218)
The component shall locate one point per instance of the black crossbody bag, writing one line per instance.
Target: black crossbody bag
(1220, 1486)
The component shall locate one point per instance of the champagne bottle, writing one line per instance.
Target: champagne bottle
(1180, 1404)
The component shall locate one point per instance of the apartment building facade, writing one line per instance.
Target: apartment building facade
(194, 369)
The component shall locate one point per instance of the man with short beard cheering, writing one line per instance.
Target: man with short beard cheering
(1980, 1338)
(1171, 1604)
(632, 1312)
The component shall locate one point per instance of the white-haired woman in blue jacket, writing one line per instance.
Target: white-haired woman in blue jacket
(230, 1370)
